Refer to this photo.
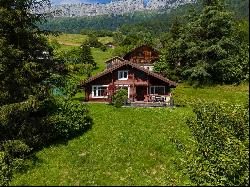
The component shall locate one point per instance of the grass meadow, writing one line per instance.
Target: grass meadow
(76, 39)
(127, 146)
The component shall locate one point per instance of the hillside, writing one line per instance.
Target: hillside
(112, 22)
(61, 124)
(117, 7)
(155, 21)
(127, 146)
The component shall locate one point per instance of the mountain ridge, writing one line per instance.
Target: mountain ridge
(115, 7)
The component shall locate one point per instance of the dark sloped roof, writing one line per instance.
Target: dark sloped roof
(144, 45)
(171, 83)
(116, 57)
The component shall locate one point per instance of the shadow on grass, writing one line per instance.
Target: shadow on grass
(31, 161)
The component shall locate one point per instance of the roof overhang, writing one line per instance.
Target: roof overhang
(125, 63)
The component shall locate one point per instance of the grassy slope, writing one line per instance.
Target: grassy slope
(127, 146)
(226, 93)
(76, 39)
(72, 40)
(69, 38)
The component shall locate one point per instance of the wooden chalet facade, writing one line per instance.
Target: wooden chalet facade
(144, 56)
(142, 84)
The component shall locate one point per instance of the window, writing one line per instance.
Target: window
(99, 91)
(122, 75)
(140, 54)
(160, 90)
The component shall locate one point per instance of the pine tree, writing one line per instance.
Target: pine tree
(22, 72)
(208, 49)
(30, 117)
(86, 56)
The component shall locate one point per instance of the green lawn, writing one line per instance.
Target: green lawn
(127, 146)
(77, 39)
(231, 94)
(100, 57)
(70, 38)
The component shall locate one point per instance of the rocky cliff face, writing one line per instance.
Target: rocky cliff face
(114, 7)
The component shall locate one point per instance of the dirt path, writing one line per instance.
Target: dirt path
(69, 44)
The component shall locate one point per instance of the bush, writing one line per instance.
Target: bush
(120, 97)
(92, 41)
(5, 170)
(38, 123)
(222, 154)
(70, 119)
(11, 159)
(33, 124)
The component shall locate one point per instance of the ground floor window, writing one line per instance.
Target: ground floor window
(160, 90)
(99, 91)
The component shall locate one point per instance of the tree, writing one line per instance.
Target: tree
(92, 41)
(30, 117)
(86, 56)
(22, 73)
(208, 48)
(175, 29)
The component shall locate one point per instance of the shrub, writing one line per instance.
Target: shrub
(70, 119)
(120, 97)
(11, 159)
(39, 123)
(5, 170)
(222, 154)
(33, 124)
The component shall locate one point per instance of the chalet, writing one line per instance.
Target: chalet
(144, 56)
(133, 74)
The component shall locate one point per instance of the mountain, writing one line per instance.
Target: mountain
(154, 21)
(115, 7)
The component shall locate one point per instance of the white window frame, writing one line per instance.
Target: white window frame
(97, 86)
(154, 89)
(122, 77)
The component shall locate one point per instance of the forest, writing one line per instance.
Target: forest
(48, 136)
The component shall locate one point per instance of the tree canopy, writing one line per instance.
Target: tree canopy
(207, 49)
(30, 117)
